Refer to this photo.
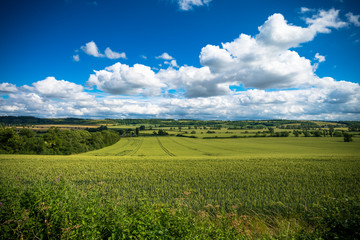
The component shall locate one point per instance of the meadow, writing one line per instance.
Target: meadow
(167, 187)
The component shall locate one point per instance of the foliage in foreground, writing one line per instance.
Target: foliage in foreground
(58, 210)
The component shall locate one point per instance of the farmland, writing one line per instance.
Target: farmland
(170, 187)
(237, 147)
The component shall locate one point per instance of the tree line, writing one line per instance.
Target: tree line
(54, 141)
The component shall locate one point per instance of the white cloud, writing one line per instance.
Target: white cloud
(278, 33)
(354, 19)
(305, 10)
(114, 55)
(7, 88)
(266, 62)
(172, 63)
(197, 82)
(324, 20)
(331, 100)
(165, 56)
(121, 79)
(90, 48)
(52, 88)
(76, 58)
(186, 5)
(254, 64)
(319, 57)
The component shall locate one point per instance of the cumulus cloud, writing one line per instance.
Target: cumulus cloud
(165, 56)
(90, 48)
(52, 88)
(319, 57)
(121, 79)
(331, 100)
(278, 33)
(276, 83)
(197, 82)
(266, 61)
(172, 63)
(76, 58)
(7, 88)
(354, 19)
(324, 20)
(186, 5)
(114, 55)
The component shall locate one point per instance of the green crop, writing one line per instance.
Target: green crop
(182, 188)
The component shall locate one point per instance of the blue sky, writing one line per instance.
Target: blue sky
(203, 59)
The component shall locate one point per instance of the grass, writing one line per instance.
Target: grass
(181, 188)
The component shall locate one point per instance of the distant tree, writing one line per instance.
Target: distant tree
(306, 133)
(271, 130)
(142, 128)
(284, 134)
(137, 131)
(331, 130)
(162, 132)
(25, 132)
(348, 137)
(337, 134)
(317, 133)
(296, 133)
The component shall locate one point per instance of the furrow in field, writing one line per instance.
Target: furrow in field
(179, 142)
(227, 145)
(137, 143)
(164, 148)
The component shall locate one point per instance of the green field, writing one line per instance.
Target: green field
(237, 147)
(170, 187)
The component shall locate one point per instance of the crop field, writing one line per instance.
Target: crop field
(168, 187)
(238, 147)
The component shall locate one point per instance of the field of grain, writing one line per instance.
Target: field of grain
(176, 188)
(238, 147)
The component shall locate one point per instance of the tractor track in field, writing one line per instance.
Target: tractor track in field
(210, 145)
(138, 146)
(122, 153)
(164, 148)
(191, 148)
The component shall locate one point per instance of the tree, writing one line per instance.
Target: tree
(271, 130)
(317, 133)
(348, 137)
(162, 132)
(331, 130)
(137, 131)
(306, 133)
(296, 133)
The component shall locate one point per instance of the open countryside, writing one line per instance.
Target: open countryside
(186, 179)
